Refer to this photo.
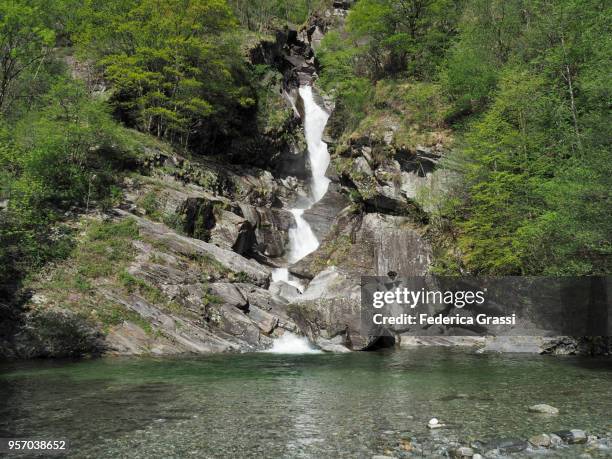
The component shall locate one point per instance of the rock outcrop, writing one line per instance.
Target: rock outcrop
(211, 299)
(389, 178)
(374, 244)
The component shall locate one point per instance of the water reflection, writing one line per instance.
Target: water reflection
(270, 405)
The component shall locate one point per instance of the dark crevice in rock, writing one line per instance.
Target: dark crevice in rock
(381, 342)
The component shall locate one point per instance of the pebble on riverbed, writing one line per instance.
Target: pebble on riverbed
(544, 409)
(576, 442)
(463, 452)
(434, 424)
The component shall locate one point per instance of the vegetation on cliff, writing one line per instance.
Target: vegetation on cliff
(176, 71)
(524, 87)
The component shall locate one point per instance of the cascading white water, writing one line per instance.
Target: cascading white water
(302, 240)
(315, 119)
(282, 274)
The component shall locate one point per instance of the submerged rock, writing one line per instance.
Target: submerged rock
(506, 445)
(574, 436)
(544, 409)
(540, 441)
(555, 440)
(462, 452)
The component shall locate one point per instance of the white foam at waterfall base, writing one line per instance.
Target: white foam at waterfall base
(292, 344)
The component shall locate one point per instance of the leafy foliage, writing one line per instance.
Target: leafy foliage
(175, 66)
(265, 15)
(524, 87)
(25, 42)
(63, 154)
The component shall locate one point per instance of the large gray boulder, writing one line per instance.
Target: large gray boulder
(330, 308)
(370, 244)
(271, 229)
(322, 215)
(186, 246)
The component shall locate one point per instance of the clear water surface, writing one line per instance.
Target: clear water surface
(314, 406)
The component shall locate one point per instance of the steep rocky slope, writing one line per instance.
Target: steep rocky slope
(184, 260)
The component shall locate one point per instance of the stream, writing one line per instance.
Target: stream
(303, 406)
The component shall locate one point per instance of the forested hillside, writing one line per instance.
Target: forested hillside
(516, 92)
(523, 88)
(74, 74)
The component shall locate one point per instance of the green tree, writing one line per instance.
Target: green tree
(535, 166)
(25, 42)
(265, 15)
(175, 68)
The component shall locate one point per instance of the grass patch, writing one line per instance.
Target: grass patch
(208, 266)
(100, 256)
(149, 292)
(334, 253)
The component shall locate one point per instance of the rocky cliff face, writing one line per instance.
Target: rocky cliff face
(211, 229)
(196, 274)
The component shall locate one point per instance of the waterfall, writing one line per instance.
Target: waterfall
(302, 240)
(315, 119)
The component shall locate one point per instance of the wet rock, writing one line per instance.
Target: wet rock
(229, 294)
(462, 452)
(284, 290)
(506, 445)
(544, 409)
(263, 319)
(322, 215)
(266, 301)
(336, 344)
(540, 441)
(271, 228)
(574, 436)
(555, 440)
(330, 307)
(521, 344)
